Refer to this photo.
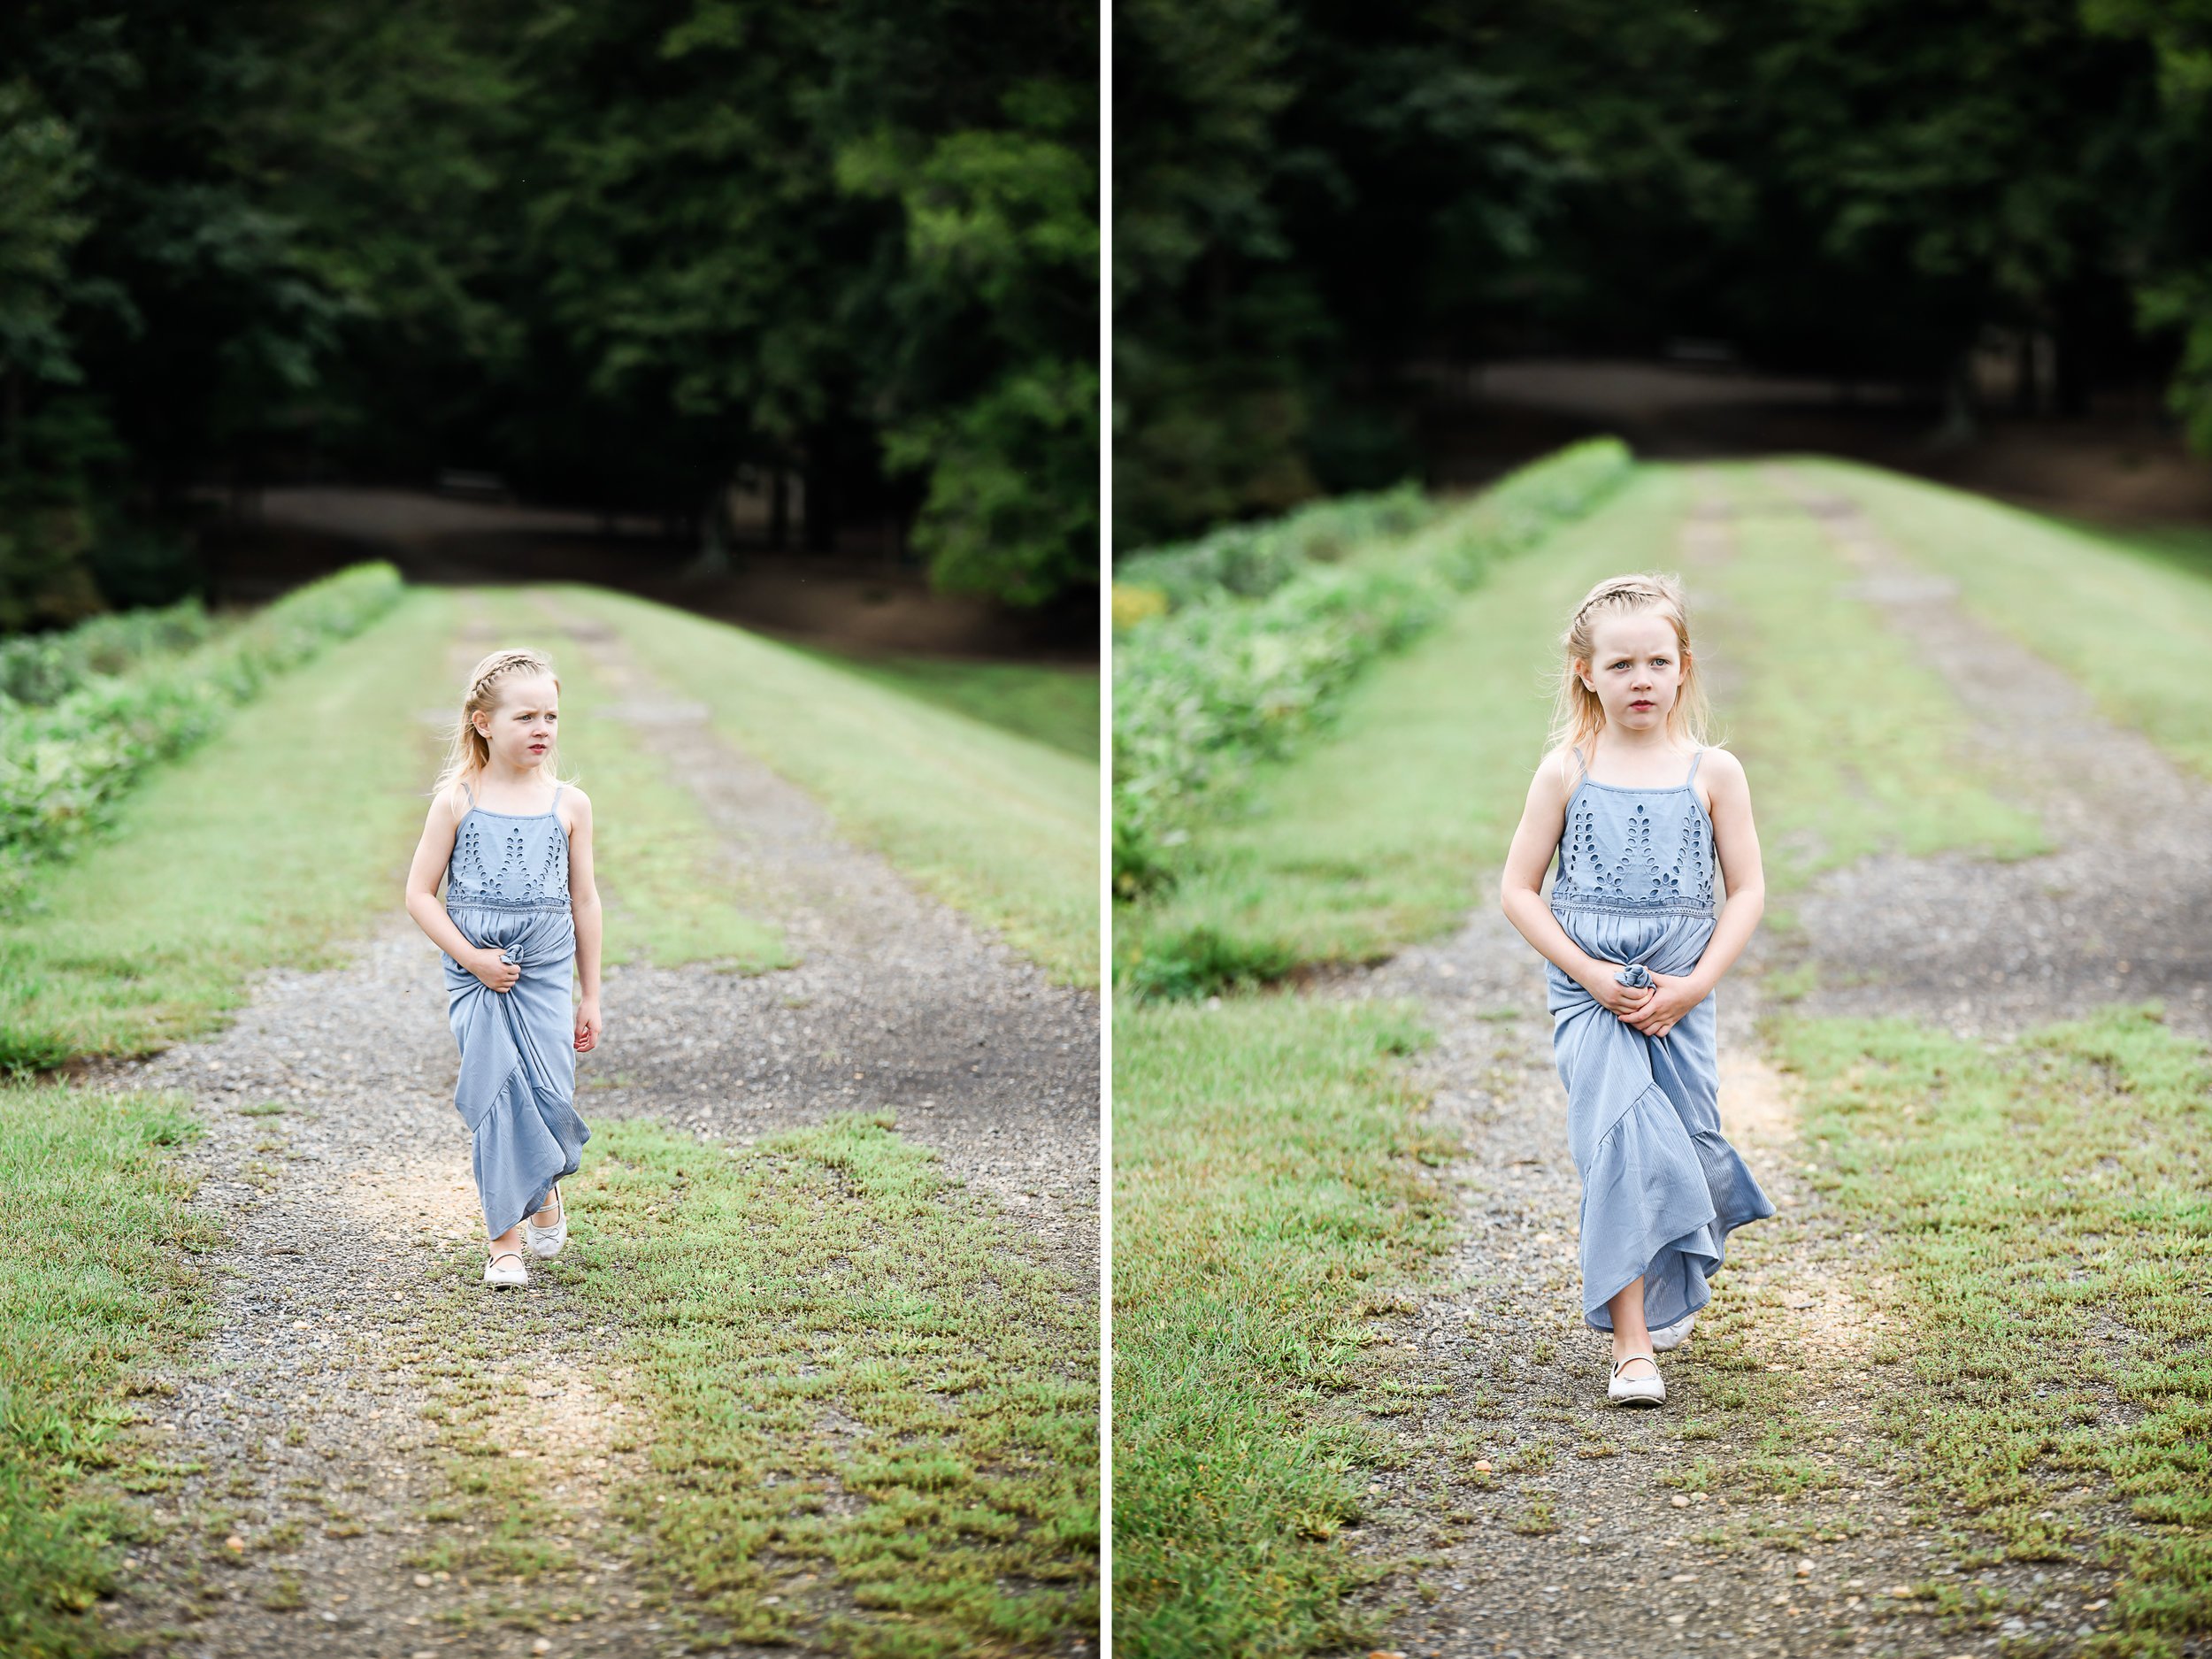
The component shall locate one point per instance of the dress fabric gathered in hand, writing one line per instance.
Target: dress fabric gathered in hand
(1662, 1187)
(507, 890)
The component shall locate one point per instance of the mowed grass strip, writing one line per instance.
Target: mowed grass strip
(671, 890)
(1852, 744)
(1381, 833)
(873, 1405)
(2130, 623)
(1272, 1177)
(283, 833)
(1054, 705)
(998, 825)
(98, 1279)
(2046, 1208)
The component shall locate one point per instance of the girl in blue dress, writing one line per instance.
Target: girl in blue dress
(1638, 810)
(520, 928)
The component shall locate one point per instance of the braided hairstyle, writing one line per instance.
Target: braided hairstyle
(470, 753)
(1578, 716)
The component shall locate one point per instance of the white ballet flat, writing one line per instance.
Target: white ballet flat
(1669, 1336)
(1637, 1391)
(498, 1271)
(545, 1242)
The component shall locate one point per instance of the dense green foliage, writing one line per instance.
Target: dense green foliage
(1253, 559)
(622, 255)
(1202, 693)
(45, 667)
(1312, 200)
(65, 763)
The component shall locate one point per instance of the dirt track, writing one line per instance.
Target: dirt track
(1623, 1564)
(301, 1432)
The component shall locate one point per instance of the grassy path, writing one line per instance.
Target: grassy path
(820, 1364)
(1941, 1402)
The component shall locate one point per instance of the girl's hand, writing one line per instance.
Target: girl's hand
(1676, 995)
(587, 1025)
(494, 969)
(1622, 1000)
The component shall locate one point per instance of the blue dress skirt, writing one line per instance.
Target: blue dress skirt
(1661, 1188)
(507, 890)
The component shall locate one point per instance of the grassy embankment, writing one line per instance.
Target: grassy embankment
(272, 844)
(1058, 706)
(2127, 617)
(999, 826)
(1376, 837)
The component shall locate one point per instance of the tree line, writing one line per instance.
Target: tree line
(1311, 195)
(617, 253)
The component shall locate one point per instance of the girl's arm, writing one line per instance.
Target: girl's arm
(422, 903)
(1521, 891)
(1736, 843)
(583, 902)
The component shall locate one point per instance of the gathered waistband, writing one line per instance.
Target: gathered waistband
(1631, 907)
(560, 903)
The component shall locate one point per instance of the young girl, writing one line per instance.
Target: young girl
(521, 913)
(1636, 806)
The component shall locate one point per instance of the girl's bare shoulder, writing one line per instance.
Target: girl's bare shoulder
(1556, 776)
(450, 805)
(575, 809)
(1719, 773)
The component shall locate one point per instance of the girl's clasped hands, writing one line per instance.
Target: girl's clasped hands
(1651, 1010)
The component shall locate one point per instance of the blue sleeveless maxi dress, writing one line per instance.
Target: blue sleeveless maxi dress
(506, 889)
(1661, 1188)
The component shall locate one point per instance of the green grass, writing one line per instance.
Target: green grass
(262, 848)
(1852, 744)
(98, 1280)
(860, 1407)
(826, 1317)
(2046, 1207)
(2130, 623)
(1272, 1180)
(1058, 706)
(672, 889)
(997, 826)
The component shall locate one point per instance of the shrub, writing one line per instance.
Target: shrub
(1222, 681)
(65, 763)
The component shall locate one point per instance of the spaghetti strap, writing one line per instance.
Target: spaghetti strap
(1694, 760)
(556, 797)
(1575, 751)
(471, 796)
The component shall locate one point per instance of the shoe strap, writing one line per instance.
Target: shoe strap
(1632, 1359)
(498, 1256)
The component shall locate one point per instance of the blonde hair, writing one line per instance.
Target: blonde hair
(1578, 716)
(470, 753)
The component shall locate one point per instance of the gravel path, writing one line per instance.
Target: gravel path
(306, 1480)
(1527, 1517)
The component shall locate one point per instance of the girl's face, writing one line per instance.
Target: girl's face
(1634, 669)
(521, 728)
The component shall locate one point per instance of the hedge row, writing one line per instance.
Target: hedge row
(44, 668)
(65, 764)
(1250, 561)
(1201, 692)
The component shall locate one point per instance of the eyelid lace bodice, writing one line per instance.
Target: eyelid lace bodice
(1636, 852)
(508, 861)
